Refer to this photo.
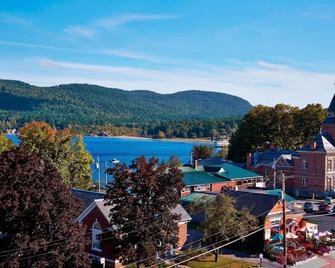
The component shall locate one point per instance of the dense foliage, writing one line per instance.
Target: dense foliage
(5, 144)
(58, 148)
(143, 196)
(282, 126)
(222, 220)
(82, 105)
(37, 215)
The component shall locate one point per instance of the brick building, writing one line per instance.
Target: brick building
(216, 174)
(311, 169)
(95, 216)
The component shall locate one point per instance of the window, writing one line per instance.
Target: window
(96, 232)
(329, 164)
(267, 172)
(202, 187)
(329, 183)
(304, 164)
(186, 189)
(304, 182)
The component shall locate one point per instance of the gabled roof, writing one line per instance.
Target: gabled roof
(85, 196)
(215, 173)
(331, 107)
(322, 145)
(268, 157)
(233, 172)
(259, 204)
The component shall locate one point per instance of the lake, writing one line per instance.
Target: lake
(127, 149)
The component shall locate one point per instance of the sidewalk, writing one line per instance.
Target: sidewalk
(236, 255)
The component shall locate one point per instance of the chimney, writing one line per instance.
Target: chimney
(248, 163)
(195, 165)
(313, 145)
(195, 157)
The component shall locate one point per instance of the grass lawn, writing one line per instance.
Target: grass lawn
(208, 262)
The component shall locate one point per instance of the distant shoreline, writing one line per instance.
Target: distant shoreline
(165, 139)
(146, 138)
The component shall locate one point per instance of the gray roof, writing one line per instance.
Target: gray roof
(322, 144)
(268, 157)
(259, 204)
(87, 197)
(331, 107)
(324, 222)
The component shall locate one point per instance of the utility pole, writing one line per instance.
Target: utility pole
(98, 168)
(284, 221)
(106, 179)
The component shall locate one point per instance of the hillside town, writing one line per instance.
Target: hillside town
(167, 134)
(282, 199)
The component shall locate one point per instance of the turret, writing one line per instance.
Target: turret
(329, 124)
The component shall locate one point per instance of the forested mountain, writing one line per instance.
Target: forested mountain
(83, 104)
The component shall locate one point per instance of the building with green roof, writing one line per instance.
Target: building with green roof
(216, 177)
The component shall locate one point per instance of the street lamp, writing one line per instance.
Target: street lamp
(260, 260)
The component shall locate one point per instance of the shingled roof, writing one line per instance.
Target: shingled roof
(322, 145)
(331, 107)
(259, 204)
(88, 197)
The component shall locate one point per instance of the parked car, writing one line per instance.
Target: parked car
(328, 200)
(323, 207)
(308, 207)
(331, 209)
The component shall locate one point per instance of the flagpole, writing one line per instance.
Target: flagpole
(98, 167)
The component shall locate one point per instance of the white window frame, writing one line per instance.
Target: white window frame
(304, 164)
(329, 164)
(96, 231)
(304, 182)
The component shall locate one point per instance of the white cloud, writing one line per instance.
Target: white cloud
(112, 22)
(14, 20)
(259, 82)
(79, 31)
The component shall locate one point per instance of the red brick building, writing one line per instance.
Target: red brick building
(311, 169)
(95, 217)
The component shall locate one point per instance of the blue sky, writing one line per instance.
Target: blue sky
(267, 52)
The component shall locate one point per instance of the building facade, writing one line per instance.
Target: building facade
(310, 171)
(95, 216)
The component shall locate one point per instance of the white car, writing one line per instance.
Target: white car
(331, 209)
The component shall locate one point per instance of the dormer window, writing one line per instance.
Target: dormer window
(331, 114)
(96, 232)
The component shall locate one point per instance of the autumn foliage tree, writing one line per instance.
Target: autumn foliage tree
(203, 151)
(143, 195)
(5, 144)
(58, 148)
(37, 215)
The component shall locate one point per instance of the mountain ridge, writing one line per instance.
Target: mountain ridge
(92, 104)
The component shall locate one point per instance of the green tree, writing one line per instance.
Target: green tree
(58, 148)
(145, 194)
(80, 166)
(5, 144)
(223, 219)
(282, 126)
(223, 152)
(38, 228)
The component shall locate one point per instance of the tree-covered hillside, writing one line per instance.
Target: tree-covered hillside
(83, 104)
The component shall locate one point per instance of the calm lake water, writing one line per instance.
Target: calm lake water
(125, 150)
